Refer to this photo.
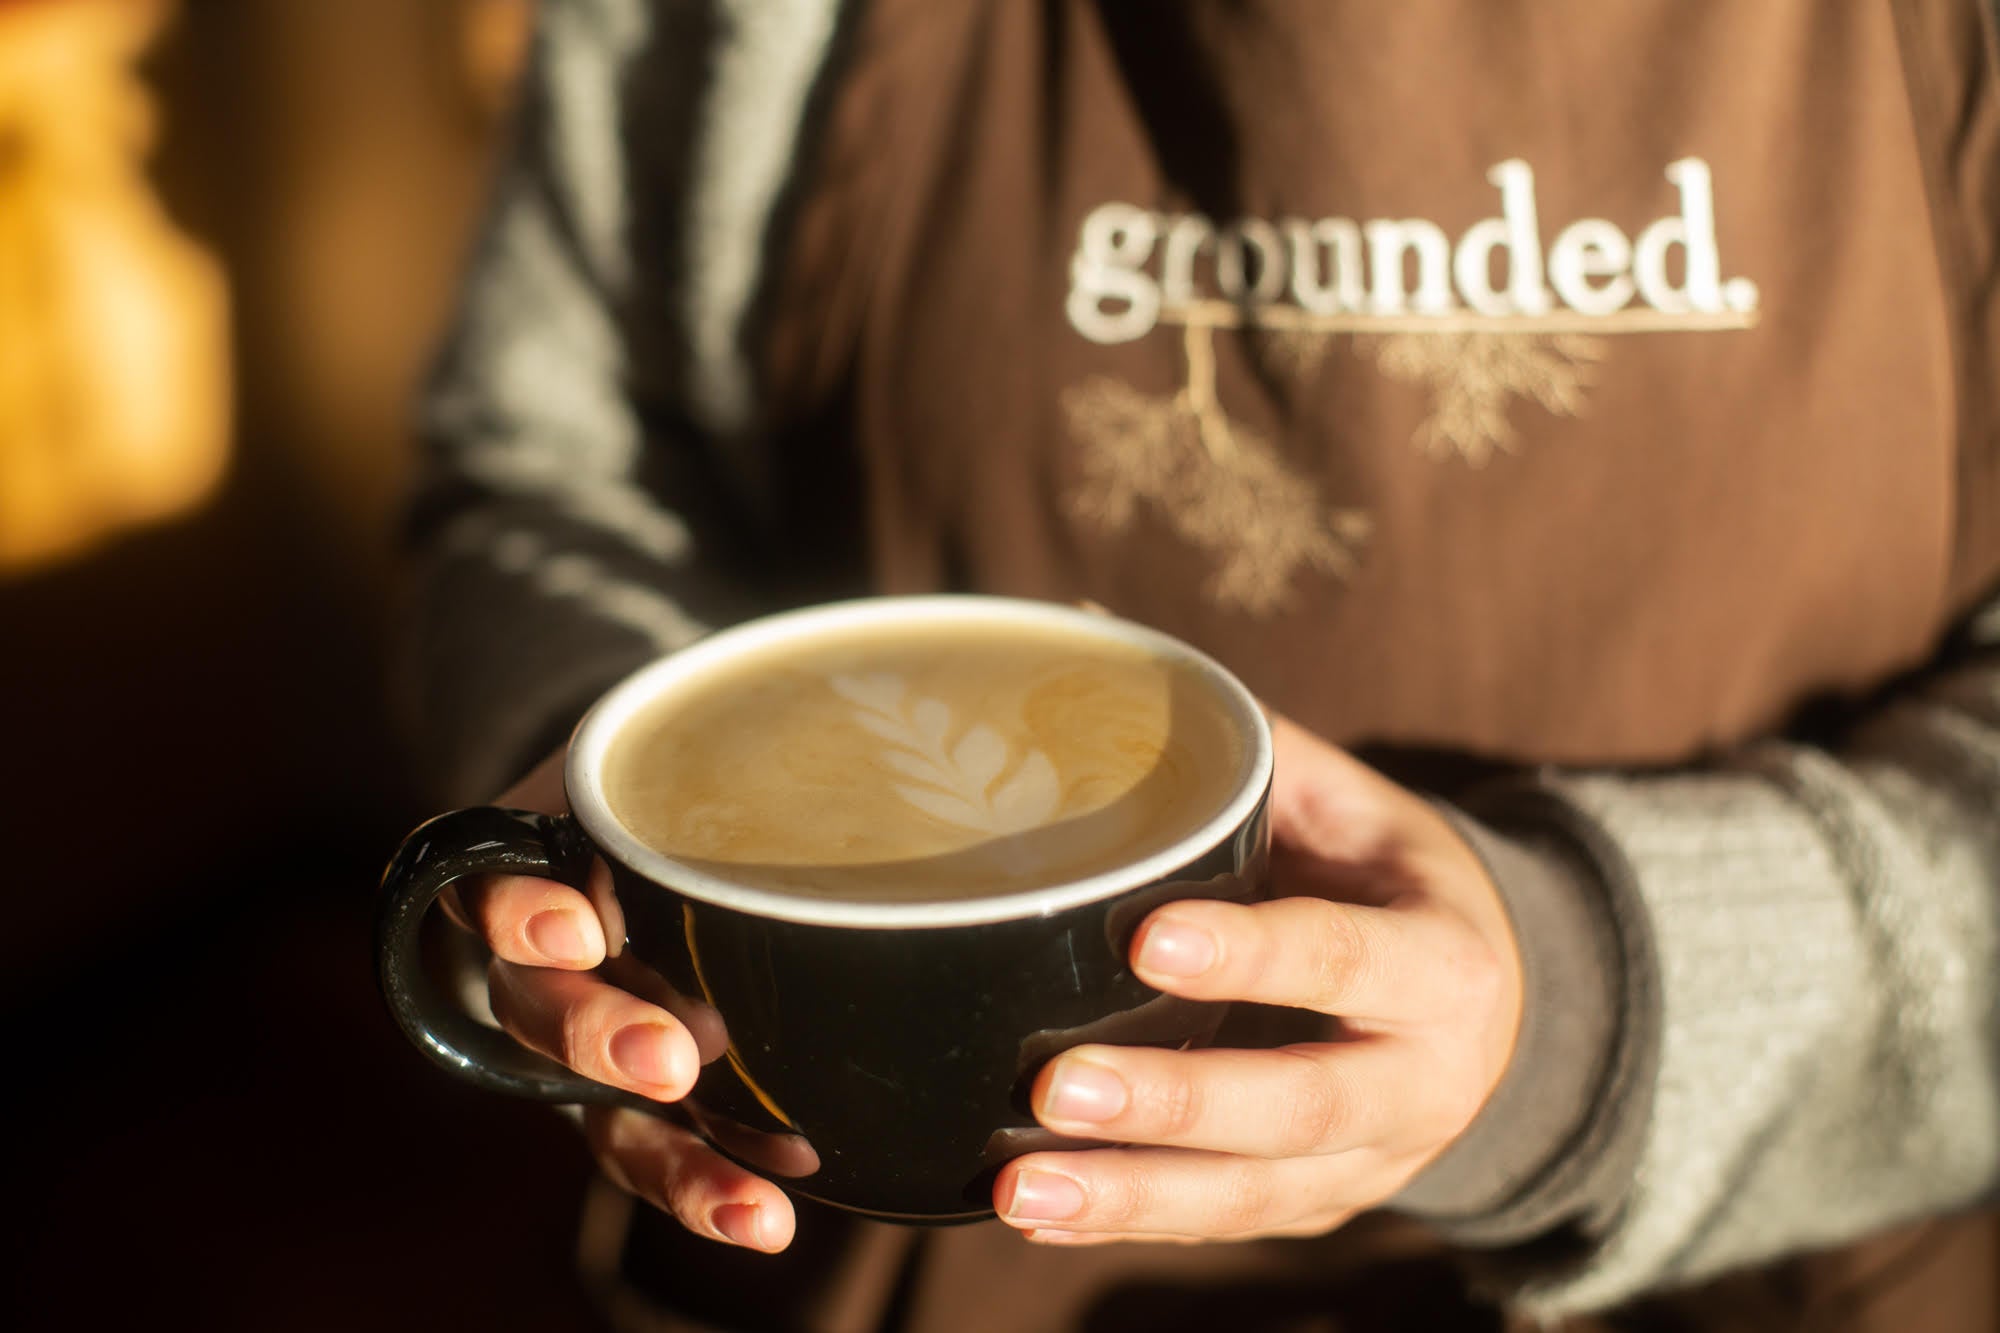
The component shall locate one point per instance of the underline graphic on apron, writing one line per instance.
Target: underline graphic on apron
(1228, 315)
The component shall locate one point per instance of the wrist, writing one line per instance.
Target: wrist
(1571, 1023)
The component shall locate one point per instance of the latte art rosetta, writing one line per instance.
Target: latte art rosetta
(954, 783)
(913, 764)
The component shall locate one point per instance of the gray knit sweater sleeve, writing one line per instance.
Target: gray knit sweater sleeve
(588, 495)
(1820, 950)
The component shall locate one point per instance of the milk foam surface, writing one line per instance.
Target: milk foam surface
(913, 764)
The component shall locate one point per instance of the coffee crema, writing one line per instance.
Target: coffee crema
(908, 763)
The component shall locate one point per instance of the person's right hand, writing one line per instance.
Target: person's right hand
(556, 988)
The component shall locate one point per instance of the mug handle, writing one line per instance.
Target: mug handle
(483, 840)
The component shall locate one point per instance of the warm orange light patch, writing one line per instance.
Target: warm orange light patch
(114, 344)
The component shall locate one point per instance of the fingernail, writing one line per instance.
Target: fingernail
(1087, 1092)
(741, 1223)
(1175, 949)
(640, 1052)
(557, 937)
(1043, 1196)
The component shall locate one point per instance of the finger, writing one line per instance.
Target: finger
(672, 1169)
(787, 1155)
(1304, 953)
(595, 1028)
(539, 922)
(1174, 1192)
(1298, 1101)
(702, 1019)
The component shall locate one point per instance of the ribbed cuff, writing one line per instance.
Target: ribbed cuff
(1492, 1187)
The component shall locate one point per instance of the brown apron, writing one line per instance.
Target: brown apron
(1538, 381)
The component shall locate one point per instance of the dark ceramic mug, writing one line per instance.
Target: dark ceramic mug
(878, 1054)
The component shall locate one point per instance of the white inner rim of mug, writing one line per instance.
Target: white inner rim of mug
(609, 716)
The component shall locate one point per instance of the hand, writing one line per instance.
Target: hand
(1384, 922)
(552, 987)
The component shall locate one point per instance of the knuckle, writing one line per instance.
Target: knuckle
(1172, 1106)
(1316, 1110)
(1252, 944)
(502, 906)
(685, 1194)
(1243, 1201)
(493, 900)
(582, 1034)
(1118, 1200)
(1339, 964)
(1318, 814)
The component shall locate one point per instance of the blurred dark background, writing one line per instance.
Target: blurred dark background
(203, 769)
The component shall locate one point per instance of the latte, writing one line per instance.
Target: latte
(909, 763)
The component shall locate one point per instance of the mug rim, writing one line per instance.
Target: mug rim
(591, 740)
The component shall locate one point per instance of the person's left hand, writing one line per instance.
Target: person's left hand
(1383, 921)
